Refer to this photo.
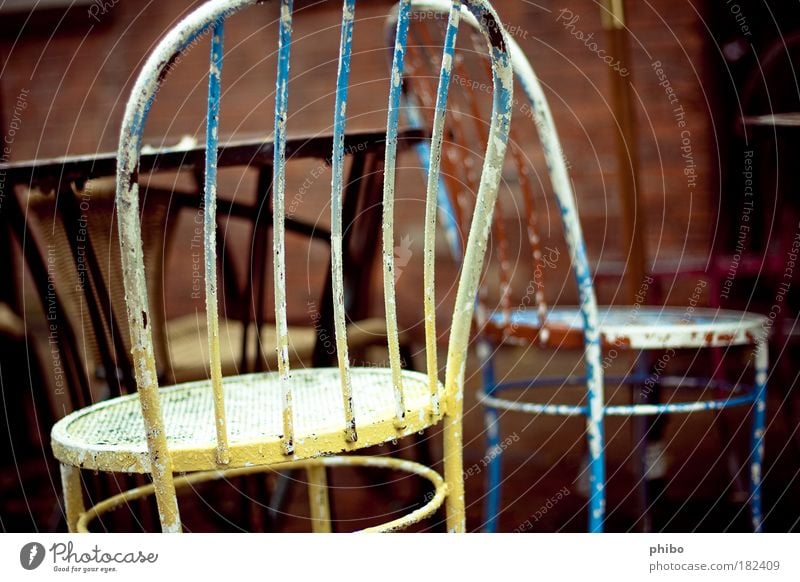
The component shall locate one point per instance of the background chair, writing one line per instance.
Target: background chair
(24, 476)
(246, 424)
(529, 320)
(84, 259)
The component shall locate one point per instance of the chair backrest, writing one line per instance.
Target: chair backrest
(211, 17)
(520, 179)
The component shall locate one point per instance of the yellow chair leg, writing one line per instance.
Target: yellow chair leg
(167, 502)
(454, 468)
(318, 498)
(73, 495)
(160, 459)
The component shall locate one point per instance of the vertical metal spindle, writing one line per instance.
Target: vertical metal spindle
(278, 217)
(337, 267)
(498, 228)
(503, 80)
(434, 170)
(389, 292)
(451, 185)
(447, 216)
(210, 232)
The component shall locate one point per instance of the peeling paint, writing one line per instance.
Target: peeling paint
(417, 400)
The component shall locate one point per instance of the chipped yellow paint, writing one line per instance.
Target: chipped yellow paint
(213, 460)
(454, 467)
(146, 380)
(465, 298)
(431, 208)
(278, 238)
(337, 236)
(268, 451)
(387, 235)
(210, 242)
(340, 329)
(223, 448)
(187, 481)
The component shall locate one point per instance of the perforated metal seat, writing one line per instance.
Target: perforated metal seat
(110, 436)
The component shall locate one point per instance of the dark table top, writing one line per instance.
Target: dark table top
(243, 151)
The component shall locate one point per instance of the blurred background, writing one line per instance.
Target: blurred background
(692, 71)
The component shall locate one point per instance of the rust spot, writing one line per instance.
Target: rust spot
(493, 30)
(721, 337)
(622, 341)
(165, 69)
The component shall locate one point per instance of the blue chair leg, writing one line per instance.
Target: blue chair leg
(597, 460)
(757, 439)
(493, 449)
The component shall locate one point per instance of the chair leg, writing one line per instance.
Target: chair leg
(493, 450)
(595, 425)
(73, 495)
(494, 470)
(757, 442)
(454, 467)
(318, 498)
(167, 501)
(639, 426)
(647, 434)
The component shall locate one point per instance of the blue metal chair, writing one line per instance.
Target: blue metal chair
(532, 322)
(240, 425)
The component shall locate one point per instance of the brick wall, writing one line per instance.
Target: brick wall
(78, 77)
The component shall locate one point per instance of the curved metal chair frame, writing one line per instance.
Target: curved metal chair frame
(533, 322)
(287, 417)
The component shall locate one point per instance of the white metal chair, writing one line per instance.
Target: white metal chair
(237, 425)
(530, 321)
